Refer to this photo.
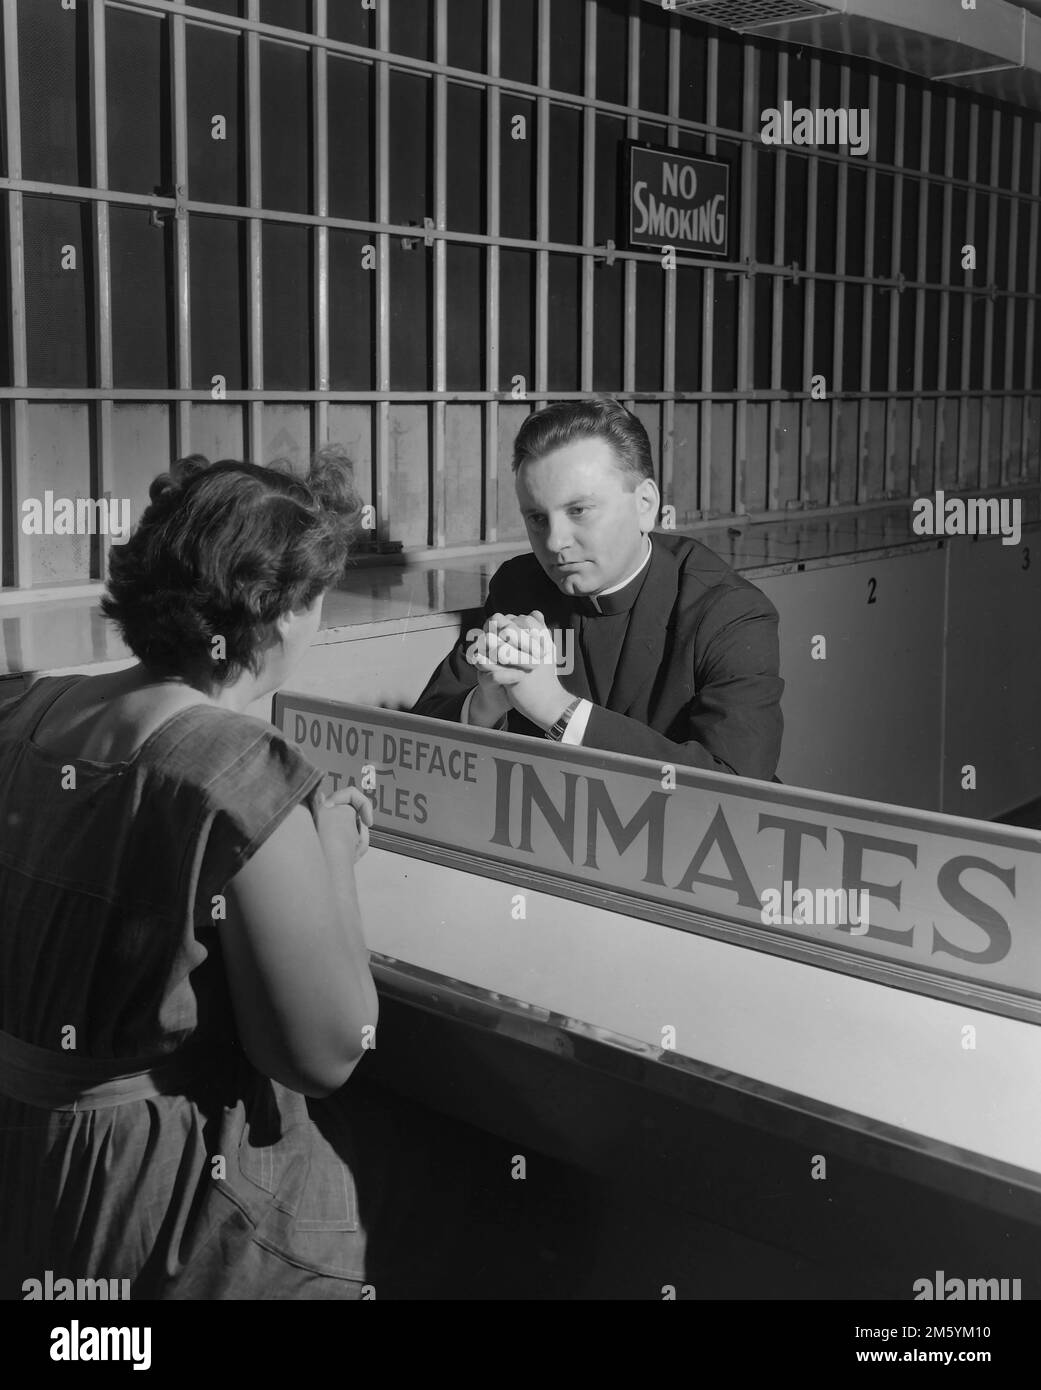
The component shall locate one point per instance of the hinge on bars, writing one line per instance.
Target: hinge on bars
(900, 284)
(409, 243)
(606, 254)
(751, 268)
(794, 272)
(179, 211)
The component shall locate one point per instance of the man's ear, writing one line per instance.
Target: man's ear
(648, 500)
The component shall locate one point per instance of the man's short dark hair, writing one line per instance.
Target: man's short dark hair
(600, 417)
(223, 550)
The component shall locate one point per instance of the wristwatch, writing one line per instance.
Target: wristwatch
(556, 731)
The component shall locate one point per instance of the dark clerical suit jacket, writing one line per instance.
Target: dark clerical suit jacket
(697, 678)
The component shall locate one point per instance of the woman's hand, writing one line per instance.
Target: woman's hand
(343, 824)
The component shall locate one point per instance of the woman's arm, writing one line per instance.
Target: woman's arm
(297, 962)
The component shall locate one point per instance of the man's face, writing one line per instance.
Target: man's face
(585, 521)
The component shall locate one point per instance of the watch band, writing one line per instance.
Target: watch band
(556, 731)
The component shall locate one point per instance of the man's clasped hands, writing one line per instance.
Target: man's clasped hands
(516, 661)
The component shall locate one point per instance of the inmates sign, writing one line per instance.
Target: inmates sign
(954, 897)
(677, 200)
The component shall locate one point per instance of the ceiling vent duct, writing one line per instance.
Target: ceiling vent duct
(992, 46)
(747, 14)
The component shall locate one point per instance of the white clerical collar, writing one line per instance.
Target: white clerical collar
(615, 587)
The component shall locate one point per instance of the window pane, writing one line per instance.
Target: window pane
(724, 347)
(352, 328)
(909, 229)
(930, 358)
(730, 88)
(216, 167)
(516, 317)
(612, 51)
(690, 287)
(218, 301)
(142, 286)
(519, 47)
(954, 342)
(650, 310)
(883, 239)
(997, 376)
(883, 123)
(59, 303)
(881, 302)
(289, 14)
(412, 28)
(766, 194)
(608, 326)
(54, 87)
(608, 179)
(762, 341)
(467, 142)
(563, 365)
(5, 295)
(912, 156)
(792, 336)
(410, 346)
(795, 211)
(856, 214)
(1003, 272)
(984, 173)
(465, 337)
(654, 59)
(351, 24)
(827, 204)
(467, 34)
(823, 331)
(852, 341)
(566, 45)
(1019, 345)
(138, 102)
(935, 251)
(565, 175)
(236, 8)
(410, 166)
(517, 168)
(351, 147)
(905, 355)
(518, 44)
(961, 138)
(937, 132)
(287, 278)
(285, 127)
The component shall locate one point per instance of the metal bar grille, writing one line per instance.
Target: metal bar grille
(437, 498)
(102, 434)
(104, 399)
(490, 514)
(19, 463)
(381, 484)
(320, 145)
(256, 232)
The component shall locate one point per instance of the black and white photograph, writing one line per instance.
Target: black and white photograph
(520, 668)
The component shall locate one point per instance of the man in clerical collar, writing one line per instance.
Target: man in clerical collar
(610, 634)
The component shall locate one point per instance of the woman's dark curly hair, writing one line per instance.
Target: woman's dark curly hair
(223, 550)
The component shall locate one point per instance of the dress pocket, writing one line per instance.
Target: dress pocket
(303, 1201)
